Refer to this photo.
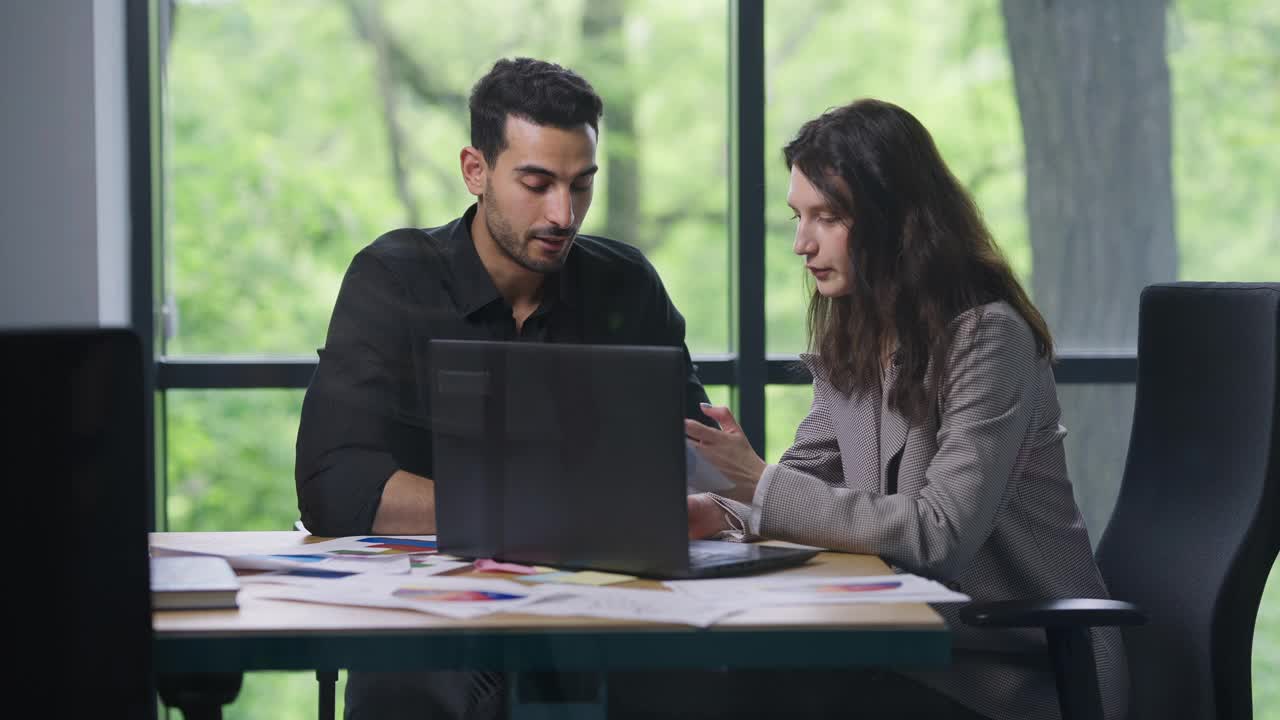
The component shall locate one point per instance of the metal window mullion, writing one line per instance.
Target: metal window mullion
(145, 204)
(746, 72)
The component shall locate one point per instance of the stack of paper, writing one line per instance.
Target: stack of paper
(470, 598)
(450, 597)
(628, 604)
(192, 583)
(374, 554)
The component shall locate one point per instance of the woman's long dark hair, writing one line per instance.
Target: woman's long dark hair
(920, 251)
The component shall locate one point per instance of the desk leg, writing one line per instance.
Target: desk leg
(557, 696)
(327, 680)
(200, 696)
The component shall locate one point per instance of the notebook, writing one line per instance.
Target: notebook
(192, 582)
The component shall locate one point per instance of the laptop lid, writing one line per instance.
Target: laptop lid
(571, 455)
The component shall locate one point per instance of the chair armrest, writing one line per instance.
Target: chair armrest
(1073, 612)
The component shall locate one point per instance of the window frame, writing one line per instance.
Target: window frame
(747, 369)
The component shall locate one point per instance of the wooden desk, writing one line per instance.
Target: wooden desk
(266, 634)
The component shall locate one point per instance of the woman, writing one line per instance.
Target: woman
(933, 440)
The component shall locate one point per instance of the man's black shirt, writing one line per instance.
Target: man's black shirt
(366, 416)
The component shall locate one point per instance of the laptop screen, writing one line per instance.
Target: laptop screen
(568, 455)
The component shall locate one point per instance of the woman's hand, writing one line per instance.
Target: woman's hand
(706, 517)
(729, 451)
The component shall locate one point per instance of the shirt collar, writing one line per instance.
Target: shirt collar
(473, 288)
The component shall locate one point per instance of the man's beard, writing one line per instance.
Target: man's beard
(517, 248)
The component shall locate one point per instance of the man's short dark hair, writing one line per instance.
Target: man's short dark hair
(541, 92)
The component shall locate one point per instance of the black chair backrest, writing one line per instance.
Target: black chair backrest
(1196, 529)
(76, 492)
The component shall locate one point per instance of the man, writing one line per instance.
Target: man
(513, 267)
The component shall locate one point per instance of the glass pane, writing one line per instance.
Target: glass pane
(720, 395)
(785, 406)
(1266, 651)
(1174, 172)
(1098, 419)
(1224, 59)
(230, 458)
(944, 62)
(280, 164)
(280, 696)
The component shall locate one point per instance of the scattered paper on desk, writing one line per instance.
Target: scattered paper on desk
(380, 554)
(794, 590)
(375, 546)
(229, 544)
(451, 597)
(398, 565)
(302, 576)
(584, 577)
(700, 474)
(628, 604)
(439, 567)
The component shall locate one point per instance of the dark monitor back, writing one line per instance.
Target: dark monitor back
(571, 455)
(75, 465)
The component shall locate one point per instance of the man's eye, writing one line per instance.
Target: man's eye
(586, 187)
(536, 188)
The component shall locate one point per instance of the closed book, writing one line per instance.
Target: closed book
(192, 582)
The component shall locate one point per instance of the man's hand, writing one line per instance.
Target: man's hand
(728, 450)
(706, 517)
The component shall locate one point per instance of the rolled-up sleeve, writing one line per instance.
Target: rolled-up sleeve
(344, 454)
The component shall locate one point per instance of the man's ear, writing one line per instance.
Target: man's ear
(474, 169)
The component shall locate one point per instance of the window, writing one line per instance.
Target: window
(296, 132)
(299, 131)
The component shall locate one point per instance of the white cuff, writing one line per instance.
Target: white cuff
(757, 500)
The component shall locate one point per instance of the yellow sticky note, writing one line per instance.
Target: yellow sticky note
(544, 569)
(593, 577)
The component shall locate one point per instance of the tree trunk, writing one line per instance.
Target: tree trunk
(1093, 90)
(604, 43)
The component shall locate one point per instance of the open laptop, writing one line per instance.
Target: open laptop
(573, 456)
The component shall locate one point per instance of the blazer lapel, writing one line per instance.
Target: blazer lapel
(856, 428)
(893, 427)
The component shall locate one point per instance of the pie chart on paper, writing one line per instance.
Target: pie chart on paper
(436, 595)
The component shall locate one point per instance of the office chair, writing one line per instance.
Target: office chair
(1196, 527)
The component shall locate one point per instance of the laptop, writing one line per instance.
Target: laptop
(572, 456)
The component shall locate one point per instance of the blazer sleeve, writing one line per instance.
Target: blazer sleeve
(985, 407)
(814, 453)
(344, 456)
